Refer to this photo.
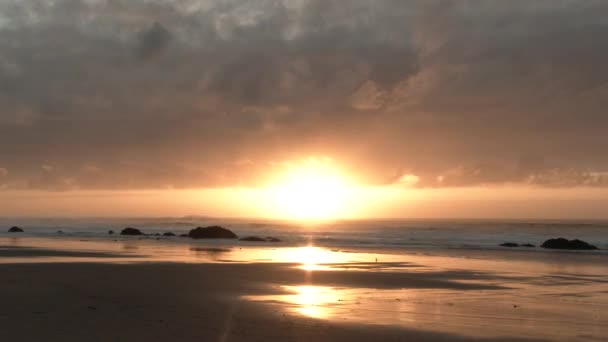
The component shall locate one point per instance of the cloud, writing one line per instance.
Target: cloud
(153, 94)
(153, 41)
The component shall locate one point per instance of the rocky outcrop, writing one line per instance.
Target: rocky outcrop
(131, 231)
(561, 243)
(260, 239)
(513, 244)
(213, 232)
(168, 234)
(253, 239)
(110, 232)
(15, 230)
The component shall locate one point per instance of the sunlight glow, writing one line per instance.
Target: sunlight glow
(312, 258)
(312, 301)
(312, 190)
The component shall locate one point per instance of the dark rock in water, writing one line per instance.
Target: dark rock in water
(253, 239)
(213, 232)
(60, 232)
(168, 234)
(184, 235)
(260, 239)
(211, 250)
(15, 230)
(131, 231)
(513, 244)
(157, 234)
(110, 232)
(579, 244)
(561, 243)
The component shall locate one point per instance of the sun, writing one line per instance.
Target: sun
(311, 191)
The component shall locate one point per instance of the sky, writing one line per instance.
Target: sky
(439, 108)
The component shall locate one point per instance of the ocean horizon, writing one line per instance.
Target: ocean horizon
(382, 233)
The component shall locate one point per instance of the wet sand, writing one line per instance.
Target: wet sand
(440, 296)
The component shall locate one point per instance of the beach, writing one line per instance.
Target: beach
(303, 170)
(144, 289)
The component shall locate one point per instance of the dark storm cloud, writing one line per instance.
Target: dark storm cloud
(153, 41)
(149, 94)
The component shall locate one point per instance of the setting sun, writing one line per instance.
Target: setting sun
(314, 190)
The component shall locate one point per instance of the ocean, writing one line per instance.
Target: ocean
(406, 234)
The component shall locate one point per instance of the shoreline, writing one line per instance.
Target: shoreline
(10, 239)
(299, 294)
(184, 302)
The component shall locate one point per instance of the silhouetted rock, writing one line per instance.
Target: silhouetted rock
(509, 244)
(184, 235)
(131, 231)
(253, 239)
(260, 239)
(15, 230)
(528, 245)
(561, 243)
(213, 232)
(110, 232)
(168, 234)
(156, 234)
(60, 232)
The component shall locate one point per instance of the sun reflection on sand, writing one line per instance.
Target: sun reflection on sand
(321, 302)
(312, 258)
(312, 301)
(352, 304)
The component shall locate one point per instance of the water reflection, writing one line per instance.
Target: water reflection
(308, 257)
(14, 241)
(130, 245)
(312, 258)
(313, 301)
(210, 253)
(308, 300)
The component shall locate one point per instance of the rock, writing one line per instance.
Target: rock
(213, 232)
(260, 239)
(168, 234)
(513, 244)
(60, 232)
(15, 230)
(131, 231)
(253, 239)
(157, 234)
(110, 232)
(561, 243)
(184, 235)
